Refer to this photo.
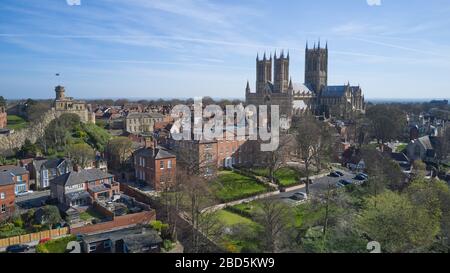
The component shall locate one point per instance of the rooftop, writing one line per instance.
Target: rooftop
(74, 178)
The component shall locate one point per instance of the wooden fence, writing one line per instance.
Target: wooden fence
(34, 237)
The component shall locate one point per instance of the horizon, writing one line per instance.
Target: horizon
(189, 48)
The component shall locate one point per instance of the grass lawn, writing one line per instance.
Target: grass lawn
(16, 122)
(55, 246)
(286, 176)
(231, 186)
(260, 171)
(90, 214)
(401, 147)
(230, 219)
(234, 242)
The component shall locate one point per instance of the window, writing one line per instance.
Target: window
(92, 248)
(3, 208)
(2, 195)
(19, 178)
(107, 244)
(169, 164)
(161, 165)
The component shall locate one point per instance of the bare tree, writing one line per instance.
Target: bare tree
(276, 159)
(307, 136)
(275, 219)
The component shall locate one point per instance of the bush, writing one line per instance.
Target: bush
(168, 245)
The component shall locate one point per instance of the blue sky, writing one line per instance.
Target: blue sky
(186, 48)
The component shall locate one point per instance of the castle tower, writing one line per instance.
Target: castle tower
(281, 73)
(316, 68)
(263, 72)
(60, 92)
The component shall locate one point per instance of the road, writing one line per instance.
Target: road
(318, 185)
(32, 200)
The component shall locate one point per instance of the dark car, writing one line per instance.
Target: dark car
(343, 183)
(334, 174)
(339, 173)
(17, 248)
(363, 175)
(360, 177)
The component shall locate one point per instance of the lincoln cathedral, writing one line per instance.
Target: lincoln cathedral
(313, 96)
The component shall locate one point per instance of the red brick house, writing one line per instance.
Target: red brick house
(155, 166)
(7, 195)
(20, 176)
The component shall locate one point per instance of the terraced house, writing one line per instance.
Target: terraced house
(7, 195)
(19, 175)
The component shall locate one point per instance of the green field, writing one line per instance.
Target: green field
(231, 186)
(16, 122)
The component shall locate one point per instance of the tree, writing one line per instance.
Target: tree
(35, 110)
(2, 101)
(81, 154)
(397, 224)
(119, 150)
(196, 197)
(387, 122)
(28, 150)
(307, 136)
(276, 222)
(274, 160)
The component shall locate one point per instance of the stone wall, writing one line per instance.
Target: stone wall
(33, 132)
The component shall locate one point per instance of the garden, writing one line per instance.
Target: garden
(230, 186)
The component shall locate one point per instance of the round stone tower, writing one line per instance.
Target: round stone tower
(60, 92)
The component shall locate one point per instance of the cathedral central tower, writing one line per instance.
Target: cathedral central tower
(316, 68)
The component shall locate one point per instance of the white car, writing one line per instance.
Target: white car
(24, 193)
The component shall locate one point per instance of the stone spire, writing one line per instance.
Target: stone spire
(247, 89)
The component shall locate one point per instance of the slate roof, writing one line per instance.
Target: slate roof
(77, 195)
(160, 153)
(6, 179)
(399, 157)
(134, 238)
(14, 170)
(75, 178)
(334, 91)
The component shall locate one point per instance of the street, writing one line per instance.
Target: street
(318, 185)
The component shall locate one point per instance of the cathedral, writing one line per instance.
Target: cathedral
(314, 96)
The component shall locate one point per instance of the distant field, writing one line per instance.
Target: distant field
(16, 122)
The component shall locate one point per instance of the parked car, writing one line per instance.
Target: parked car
(364, 175)
(334, 174)
(360, 177)
(299, 196)
(24, 193)
(339, 173)
(343, 183)
(17, 248)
